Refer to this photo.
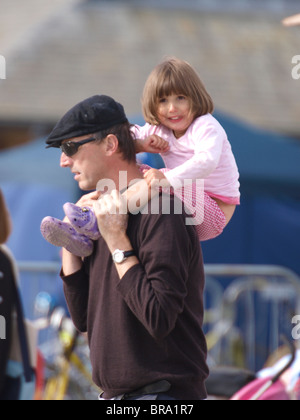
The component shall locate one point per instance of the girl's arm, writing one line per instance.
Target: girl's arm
(151, 144)
(146, 141)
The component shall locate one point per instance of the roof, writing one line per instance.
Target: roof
(89, 47)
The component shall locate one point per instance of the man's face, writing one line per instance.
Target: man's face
(89, 164)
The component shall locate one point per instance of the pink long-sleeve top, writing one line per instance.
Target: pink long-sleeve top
(204, 152)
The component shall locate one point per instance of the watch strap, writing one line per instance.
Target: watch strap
(120, 256)
(128, 254)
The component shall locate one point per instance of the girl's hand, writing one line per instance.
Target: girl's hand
(154, 144)
(154, 178)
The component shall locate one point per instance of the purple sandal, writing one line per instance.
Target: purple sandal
(83, 220)
(63, 235)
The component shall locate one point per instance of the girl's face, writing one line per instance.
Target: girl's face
(174, 112)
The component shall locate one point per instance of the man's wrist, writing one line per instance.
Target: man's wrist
(122, 243)
(119, 242)
(70, 263)
(120, 256)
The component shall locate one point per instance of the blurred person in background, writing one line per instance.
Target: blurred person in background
(6, 290)
(17, 379)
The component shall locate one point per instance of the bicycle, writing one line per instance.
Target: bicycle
(67, 366)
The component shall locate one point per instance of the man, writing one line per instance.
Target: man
(140, 295)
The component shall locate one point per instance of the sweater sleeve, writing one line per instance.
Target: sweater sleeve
(155, 290)
(142, 132)
(76, 290)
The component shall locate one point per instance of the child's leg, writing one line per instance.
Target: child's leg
(84, 220)
(209, 219)
(214, 221)
(65, 236)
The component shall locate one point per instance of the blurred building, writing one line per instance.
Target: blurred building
(63, 51)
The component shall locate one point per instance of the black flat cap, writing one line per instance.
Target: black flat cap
(90, 116)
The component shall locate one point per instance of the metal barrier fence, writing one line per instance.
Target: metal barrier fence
(36, 277)
(38, 267)
(247, 307)
(257, 307)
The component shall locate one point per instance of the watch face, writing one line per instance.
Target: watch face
(118, 257)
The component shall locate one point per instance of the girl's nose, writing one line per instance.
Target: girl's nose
(172, 107)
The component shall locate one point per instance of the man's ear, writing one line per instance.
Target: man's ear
(111, 144)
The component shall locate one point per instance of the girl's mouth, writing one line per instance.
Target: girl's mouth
(175, 119)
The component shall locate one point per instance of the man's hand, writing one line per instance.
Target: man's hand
(111, 213)
(87, 200)
(153, 144)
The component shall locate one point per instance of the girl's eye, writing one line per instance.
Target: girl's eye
(181, 97)
(162, 100)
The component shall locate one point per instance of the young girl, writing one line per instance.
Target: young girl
(178, 108)
(179, 125)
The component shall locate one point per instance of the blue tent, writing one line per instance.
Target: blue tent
(266, 227)
(268, 162)
(34, 187)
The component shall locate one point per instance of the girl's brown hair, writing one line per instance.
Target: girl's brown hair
(174, 76)
(5, 222)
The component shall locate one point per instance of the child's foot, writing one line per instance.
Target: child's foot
(83, 220)
(62, 234)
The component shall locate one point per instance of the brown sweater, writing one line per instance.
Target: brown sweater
(147, 326)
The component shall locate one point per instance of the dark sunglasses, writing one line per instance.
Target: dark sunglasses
(70, 148)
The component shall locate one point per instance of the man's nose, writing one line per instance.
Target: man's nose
(65, 161)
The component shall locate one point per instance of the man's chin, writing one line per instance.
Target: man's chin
(85, 186)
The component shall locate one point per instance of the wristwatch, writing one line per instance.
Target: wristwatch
(120, 256)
